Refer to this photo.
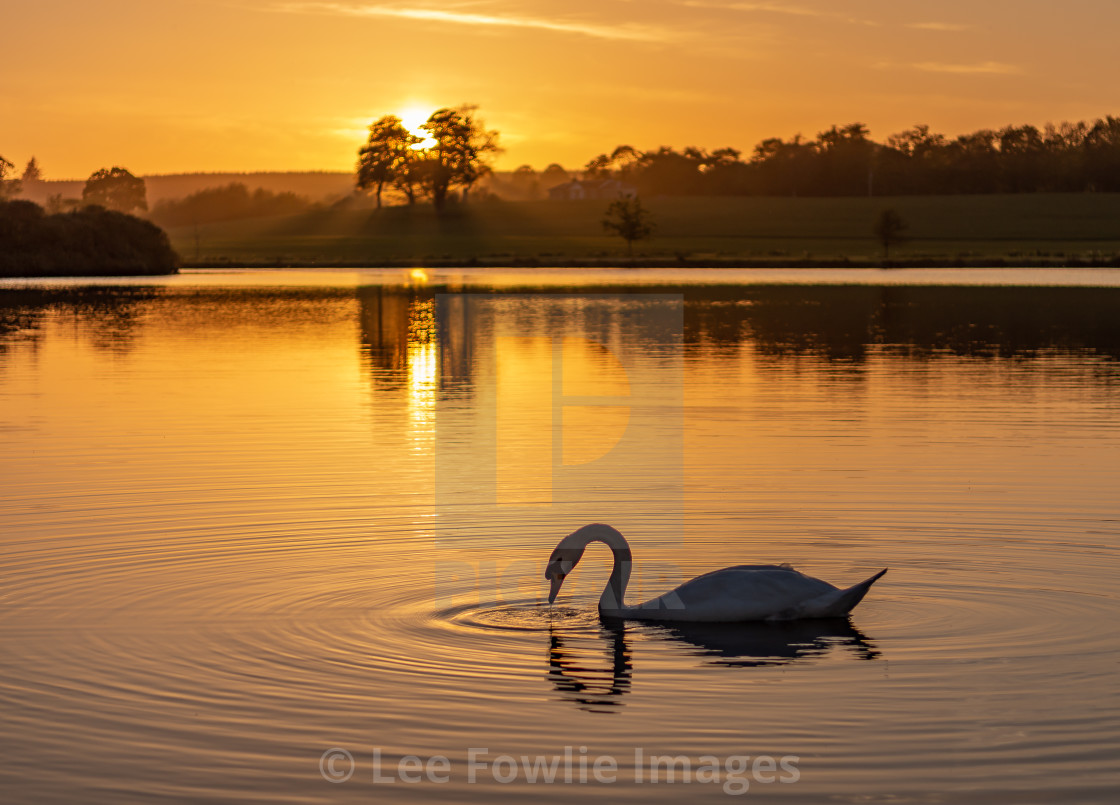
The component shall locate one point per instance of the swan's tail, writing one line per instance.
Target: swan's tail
(848, 598)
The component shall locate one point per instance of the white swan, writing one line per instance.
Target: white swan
(741, 593)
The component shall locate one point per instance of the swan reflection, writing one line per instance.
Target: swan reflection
(590, 688)
(598, 687)
(771, 643)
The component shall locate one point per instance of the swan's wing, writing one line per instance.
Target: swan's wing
(742, 593)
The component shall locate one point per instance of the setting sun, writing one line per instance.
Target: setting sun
(413, 118)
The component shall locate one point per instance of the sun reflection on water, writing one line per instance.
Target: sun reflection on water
(422, 358)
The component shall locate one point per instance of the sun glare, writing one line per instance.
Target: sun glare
(413, 118)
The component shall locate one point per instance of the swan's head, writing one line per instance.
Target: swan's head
(560, 564)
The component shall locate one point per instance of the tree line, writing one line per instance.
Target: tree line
(111, 188)
(95, 236)
(845, 161)
(228, 203)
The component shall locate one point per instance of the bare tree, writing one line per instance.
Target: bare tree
(888, 230)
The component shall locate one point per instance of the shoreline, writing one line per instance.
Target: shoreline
(1085, 261)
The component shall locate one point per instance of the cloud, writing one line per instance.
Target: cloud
(780, 8)
(939, 26)
(628, 32)
(981, 68)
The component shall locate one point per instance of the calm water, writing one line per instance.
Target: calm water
(253, 521)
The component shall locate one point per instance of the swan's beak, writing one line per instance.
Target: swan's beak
(557, 581)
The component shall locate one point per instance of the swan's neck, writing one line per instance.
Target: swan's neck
(612, 598)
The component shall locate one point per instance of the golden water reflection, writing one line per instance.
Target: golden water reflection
(219, 552)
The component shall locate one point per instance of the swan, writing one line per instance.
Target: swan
(740, 593)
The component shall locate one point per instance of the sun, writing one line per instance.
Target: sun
(412, 118)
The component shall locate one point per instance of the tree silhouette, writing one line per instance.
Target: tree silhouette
(32, 173)
(628, 219)
(8, 187)
(385, 156)
(525, 182)
(888, 230)
(553, 175)
(91, 241)
(115, 189)
(845, 161)
(458, 156)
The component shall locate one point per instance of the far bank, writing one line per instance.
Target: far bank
(993, 230)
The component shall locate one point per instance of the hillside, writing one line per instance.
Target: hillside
(1051, 226)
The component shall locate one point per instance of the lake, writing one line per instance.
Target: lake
(280, 536)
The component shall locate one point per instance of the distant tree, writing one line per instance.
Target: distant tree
(56, 204)
(598, 168)
(626, 160)
(228, 203)
(525, 182)
(458, 155)
(115, 189)
(32, 173)
(666, 171)
(845, 160)
(1102, 154)
(553, 175)
(8, 187)
(783, 168)
(385, 156)
(628, 219)
(888, 230)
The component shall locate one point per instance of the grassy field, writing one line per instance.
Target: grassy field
(1051, 226)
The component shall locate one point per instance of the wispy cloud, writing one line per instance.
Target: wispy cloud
(781, 8)
(627, 32)
(979, 68)
(939, 26)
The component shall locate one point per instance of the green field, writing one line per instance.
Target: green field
(1013, 227)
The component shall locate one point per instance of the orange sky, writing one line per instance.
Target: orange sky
(164, 86)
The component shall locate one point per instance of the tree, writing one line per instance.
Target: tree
(385, 156)
(91, 241)
(597, 168)
(8, 187)
(845, 160)
(553, 175)
(628, 219)
(32, 173)
(525, 183)
(888, 230)
(458, 155)
(115, 189)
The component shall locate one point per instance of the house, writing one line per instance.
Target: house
(591, 188)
